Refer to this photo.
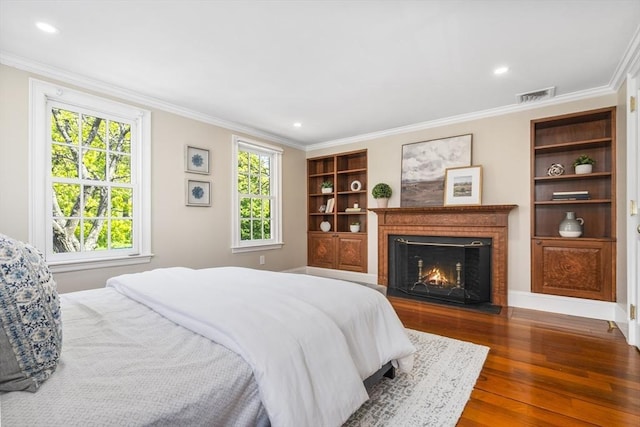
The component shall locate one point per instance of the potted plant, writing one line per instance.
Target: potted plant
(583, 164)
(355, 227)
(327, 187)
(381, 192)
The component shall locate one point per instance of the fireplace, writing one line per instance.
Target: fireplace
(470, 222)
(451, 269)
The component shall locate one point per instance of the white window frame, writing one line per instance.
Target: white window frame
(41, 95)
(238, 245)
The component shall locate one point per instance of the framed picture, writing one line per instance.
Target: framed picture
(196, 160)
(424, 165)
(463, 186)
(198, 193)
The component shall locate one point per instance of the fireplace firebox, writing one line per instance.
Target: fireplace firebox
(450, 269)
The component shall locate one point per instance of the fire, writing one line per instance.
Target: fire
(436, 277)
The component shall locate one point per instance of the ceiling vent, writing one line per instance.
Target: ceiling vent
(536, 95)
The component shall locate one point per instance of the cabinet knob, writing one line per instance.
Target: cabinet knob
(538, 242)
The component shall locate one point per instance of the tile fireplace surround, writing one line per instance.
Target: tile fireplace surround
(488, 221)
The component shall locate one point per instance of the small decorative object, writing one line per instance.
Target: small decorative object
(381, 192)
(198, 193)
(571, 226)
(327, 187)
(355, 227)
(322, 208)
(583, 164)
(356, 206)
(356, 185)
(555, 169)
(196, 160)
(325, 226)
(463, 186)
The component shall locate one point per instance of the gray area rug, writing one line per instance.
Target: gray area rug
(433, 394)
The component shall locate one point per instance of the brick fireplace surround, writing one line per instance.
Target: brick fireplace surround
(488, 221)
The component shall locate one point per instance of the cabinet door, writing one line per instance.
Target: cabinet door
(322, 250)
(573, 268)
(352, 252)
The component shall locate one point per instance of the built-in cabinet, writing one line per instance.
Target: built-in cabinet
(584, 266)
(337, 211)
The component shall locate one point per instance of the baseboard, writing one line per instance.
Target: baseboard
(591, 309)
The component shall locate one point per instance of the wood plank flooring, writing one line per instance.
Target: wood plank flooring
(543, 369)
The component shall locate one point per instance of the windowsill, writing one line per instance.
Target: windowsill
(88, 264)
(255, 248)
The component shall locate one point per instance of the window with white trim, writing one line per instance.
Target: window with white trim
(90, 179)
(257, 204)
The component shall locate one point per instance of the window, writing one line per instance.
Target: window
(257, 203)
(90, 179)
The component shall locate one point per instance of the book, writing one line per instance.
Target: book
(561, 193)
(353, 210)
(571, 197)
(330, 204)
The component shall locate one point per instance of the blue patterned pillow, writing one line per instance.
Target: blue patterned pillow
(30, 324)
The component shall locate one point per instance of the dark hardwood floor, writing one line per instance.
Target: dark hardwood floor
(542, 369)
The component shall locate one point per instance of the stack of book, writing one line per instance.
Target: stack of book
(353, 210)
(571, 195)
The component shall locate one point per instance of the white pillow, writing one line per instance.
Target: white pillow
(30, 323)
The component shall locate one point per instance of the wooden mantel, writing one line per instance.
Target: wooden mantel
(485, 221)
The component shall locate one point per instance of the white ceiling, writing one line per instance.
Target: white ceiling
(341, 68)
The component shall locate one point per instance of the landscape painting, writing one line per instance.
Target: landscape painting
(424, 165)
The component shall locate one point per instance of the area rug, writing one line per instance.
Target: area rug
(433, 394)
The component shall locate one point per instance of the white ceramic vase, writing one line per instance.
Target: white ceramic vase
(571, 226)
(582, 169)
(382, 202)
(325, 226)
(355, 228)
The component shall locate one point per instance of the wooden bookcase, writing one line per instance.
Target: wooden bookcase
(339, 248)
(581, 267)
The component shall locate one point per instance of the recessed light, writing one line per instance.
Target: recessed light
(297, 125)
(500, 70)
(47, 28)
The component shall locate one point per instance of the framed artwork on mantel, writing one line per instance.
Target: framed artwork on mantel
(463, 186)
(424, 165)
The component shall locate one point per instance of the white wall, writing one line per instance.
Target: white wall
(187, 236)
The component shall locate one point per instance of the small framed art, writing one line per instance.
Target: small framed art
(196, 160)
(198, 193)
(463, 186)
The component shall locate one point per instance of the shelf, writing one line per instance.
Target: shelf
(574, 239)
(570, 177)
(572, 202)
(574, 145)
(351, 171)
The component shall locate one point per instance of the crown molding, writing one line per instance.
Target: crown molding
(68, 77)
(629, 63)
(500, 111)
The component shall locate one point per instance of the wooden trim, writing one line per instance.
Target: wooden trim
(485, 221)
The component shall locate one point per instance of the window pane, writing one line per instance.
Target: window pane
(266, 205)
(254, 164)
(121, 234)
(95, 234)
(66, 233)
(243, 183)
(245, 229)
(265, 185)
(265, 168)
(95, 202)
(267, 229)
(122, 167)
(64, 126)
(120, 137)
(93, 132)
(64, 161)
(245, 208)
(254, 187)
(65, 197)
(256, 208)
(94, 164)
(243, 162)
(121, 202)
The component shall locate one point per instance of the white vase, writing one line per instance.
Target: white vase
(325, 226)
(580, 169)
(355, 228)
(327, 190)
(571, 226)
(382, 202)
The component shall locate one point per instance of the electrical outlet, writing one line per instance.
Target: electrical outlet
(262, 260)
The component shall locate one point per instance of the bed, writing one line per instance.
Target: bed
(220, 346)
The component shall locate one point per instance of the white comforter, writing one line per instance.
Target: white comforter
(310, 341)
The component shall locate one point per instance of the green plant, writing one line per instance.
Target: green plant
(327, 184)
(355, 223)
(381, 191)
(583, 159)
